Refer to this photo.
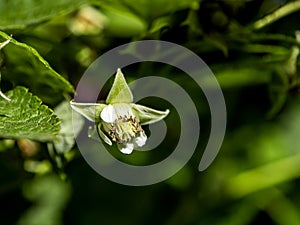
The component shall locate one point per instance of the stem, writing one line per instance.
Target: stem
(3, 95)
(1, 46)
(274, 37)
(5, 42)
(279, 13)
(264, 177)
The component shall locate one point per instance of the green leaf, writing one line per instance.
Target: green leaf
(120, 92)
(278, 91)
(19, 14)
(148, 115)
(240, 74)
(122, 22)
(49, 196)
(91, 111)
(24, 66)
(65, 140)
(146, 9)
(26, 117)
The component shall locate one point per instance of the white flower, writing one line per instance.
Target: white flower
(123, 126)
(120, 120)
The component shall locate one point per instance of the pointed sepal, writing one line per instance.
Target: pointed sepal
(147, 115)
(94, 132)
(91, 111)
(120, 91)
(103, 135)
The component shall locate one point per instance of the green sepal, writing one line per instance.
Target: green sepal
(147, 115)
(103, 135)
(95, 132)
(91, 111)
(120, 91)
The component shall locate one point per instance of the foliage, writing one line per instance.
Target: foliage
(251, 46)
(25, 117)
(27, 67)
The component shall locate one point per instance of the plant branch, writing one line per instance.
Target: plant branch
(276, 15)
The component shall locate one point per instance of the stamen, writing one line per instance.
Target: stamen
(124, 129)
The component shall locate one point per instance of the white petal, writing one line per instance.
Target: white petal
(123, 109)
(127, 149)
(141, 140)
(108, 114)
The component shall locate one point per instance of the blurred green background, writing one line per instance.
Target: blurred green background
(252, 46)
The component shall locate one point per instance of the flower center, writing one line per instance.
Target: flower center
(124, 129)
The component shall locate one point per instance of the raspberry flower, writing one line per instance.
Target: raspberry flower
(120, 120)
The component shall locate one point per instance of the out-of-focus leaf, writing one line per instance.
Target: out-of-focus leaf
(123, 23)
(65, 139)
(218, 43)
(240, 75)
(25, 117)
(25, 66)
(19, 14)
(148, 10)
(278, 92)
(155, 8)
(275, 153)
(270, 49)
(50, 196)
(264, 176)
